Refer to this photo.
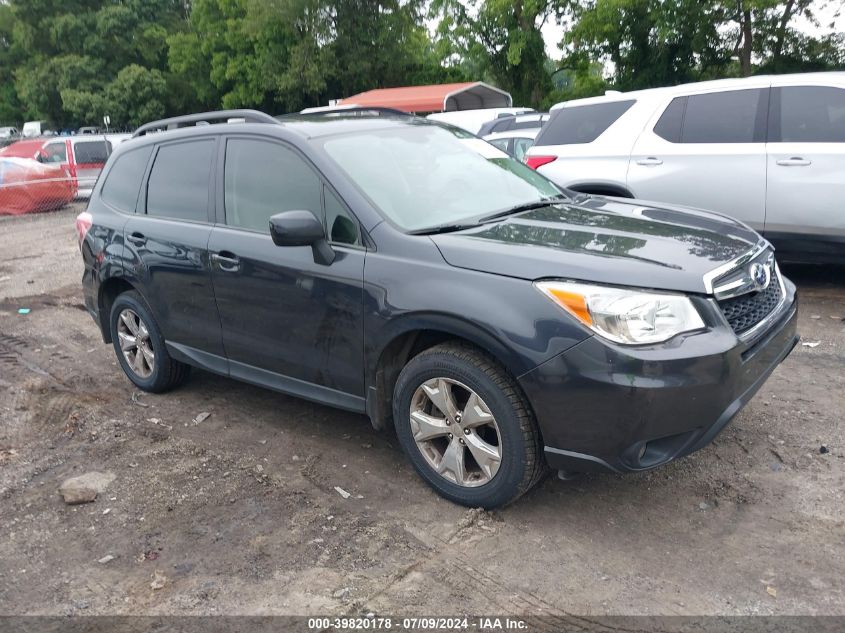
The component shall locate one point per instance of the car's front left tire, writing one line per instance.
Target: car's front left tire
(140, 348)
(466, 427)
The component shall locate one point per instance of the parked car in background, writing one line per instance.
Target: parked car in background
(769, 151)
(82, 156)
(8, 132)
(391, 266)
(472, 120)
(90, 129)
(27, 186)
(515, 142)
(514, 122)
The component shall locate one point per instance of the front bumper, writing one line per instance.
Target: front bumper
(606, 407)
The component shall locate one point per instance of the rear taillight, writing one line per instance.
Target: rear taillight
(538, 161)
(83, 224)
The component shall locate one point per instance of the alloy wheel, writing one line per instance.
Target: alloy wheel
(135, 343)
(455, 432)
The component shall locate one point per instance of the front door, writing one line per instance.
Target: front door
(288, 322)
(806, 178)
(167, 247)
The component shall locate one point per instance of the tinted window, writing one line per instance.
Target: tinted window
(723, 117)
(669, 125)
(340, 226)
(263, 179)
(527, 125)
(92, 152)
(178, 184)
(812, 115)
(581, 124)
(123, 182)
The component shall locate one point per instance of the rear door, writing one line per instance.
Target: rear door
(167, 246)
(806, 154)
(288, 322)
(708, 151)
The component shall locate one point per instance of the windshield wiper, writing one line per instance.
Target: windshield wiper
(443, 228)
(521, 207)
(450, 227)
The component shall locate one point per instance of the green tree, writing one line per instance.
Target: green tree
(499, 40)
(10, 110)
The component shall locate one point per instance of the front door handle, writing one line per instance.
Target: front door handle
(136, 238)
(795, 161)
(650, 161)
(226, 261)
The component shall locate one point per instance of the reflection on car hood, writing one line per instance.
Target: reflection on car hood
(604, 240)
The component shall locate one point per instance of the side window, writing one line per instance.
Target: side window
(581, 124)
(501, 143)
(179, 179)
(520, 146)
(263, 179)
(669, 125)
(735, 116)
(810, 114)
(56, 152)
(340, 226)
(123, 182)
(92, 152)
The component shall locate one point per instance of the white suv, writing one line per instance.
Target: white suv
(769, 151)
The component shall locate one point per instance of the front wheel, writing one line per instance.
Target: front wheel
(466, 427)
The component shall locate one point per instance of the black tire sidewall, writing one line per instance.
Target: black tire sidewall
(505, 485)
(159, 377)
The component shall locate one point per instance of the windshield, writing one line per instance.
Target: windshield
(423, 176)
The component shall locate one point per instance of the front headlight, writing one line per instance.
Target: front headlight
(631, 317)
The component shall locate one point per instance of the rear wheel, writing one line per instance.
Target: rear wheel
(466, 427)
(140, 347)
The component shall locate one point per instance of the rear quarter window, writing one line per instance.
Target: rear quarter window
(582, 124)
(123, 181)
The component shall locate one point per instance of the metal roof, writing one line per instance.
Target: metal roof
(435, 98)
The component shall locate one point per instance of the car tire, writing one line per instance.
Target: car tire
(480, 389)
(154, 370)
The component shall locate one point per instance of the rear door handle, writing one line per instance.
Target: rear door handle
(226, 261)
(795, 161)
(649, 161)
(139, 239)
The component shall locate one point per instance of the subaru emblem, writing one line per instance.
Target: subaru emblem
(760, 275)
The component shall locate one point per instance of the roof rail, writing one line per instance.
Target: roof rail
(205, 118)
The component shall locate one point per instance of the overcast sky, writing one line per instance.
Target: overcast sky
(553, 33)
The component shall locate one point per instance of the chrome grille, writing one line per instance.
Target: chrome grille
(746, 311)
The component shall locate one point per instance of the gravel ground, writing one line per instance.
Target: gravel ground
(238, 513)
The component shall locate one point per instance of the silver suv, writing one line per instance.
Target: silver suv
(769, 151)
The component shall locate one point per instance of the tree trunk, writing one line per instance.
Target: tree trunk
(747, 41)
(781, 34)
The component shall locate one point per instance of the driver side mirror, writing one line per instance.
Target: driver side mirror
(302, 228)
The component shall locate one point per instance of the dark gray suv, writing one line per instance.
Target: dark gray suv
(408, 271)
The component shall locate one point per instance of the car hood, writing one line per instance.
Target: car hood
(603, 240)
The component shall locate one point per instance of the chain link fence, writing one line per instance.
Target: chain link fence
(44, 174)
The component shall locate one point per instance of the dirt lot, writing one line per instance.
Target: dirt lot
(238, 513)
